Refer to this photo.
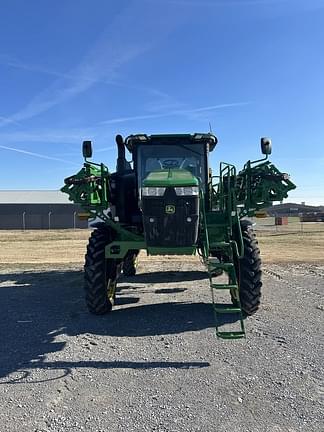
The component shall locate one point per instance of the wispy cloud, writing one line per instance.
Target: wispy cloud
(65, 88)
(46, 137)
(85, 76)
(116, 47)
(162, 102)
(116, 82)
(38, 155)
(5, 120)
(181, 112)
(221, 3)
(18, 64)
(269, 7)
(103, 149)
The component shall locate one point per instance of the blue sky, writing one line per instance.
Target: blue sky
(80, 69)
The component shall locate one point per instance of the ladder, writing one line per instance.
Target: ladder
(224, 310)
(224, 219)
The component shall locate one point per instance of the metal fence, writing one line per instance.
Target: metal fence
(49, 221)
(267, 226)
(46, 217)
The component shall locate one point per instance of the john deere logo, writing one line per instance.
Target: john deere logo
(170, 209)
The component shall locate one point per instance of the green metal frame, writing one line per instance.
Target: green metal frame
(89, 187)
(119, 249)
(171, 251)
(232, 197)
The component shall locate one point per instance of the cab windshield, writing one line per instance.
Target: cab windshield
(189, 157)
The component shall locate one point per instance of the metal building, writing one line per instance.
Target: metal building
(38, 209)
(292, 209)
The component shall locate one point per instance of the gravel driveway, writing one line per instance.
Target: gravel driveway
(154, 363)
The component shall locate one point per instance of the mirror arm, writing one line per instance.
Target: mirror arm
(260, 160)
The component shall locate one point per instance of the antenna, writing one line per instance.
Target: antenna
(210, 128)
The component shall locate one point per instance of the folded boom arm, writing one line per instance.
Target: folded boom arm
(259, 185)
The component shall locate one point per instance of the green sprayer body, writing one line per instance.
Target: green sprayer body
(168, 202)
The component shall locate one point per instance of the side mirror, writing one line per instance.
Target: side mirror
(87, 149)
(266, 146)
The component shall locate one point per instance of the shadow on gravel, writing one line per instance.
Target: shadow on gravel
(166, 277)
(125, 300)
(170, 290)
(65, 368)
(36, 308)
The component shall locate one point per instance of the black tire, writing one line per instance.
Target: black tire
(130, 264)
(100, 274)
(249, 272)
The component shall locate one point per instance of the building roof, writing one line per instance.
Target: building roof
(296, 207)
(33, 197)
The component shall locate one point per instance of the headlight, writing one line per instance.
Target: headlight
(187, 190)
(153, 191)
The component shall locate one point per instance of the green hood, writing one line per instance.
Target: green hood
(170, 177)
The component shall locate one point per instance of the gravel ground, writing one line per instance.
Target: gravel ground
(154, 363)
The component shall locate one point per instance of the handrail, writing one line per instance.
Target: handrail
(203, 211)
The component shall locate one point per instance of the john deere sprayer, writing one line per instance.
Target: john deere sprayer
(168, 202)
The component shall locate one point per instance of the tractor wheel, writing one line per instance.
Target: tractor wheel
(130, 264)
(100, 274)
(249, 272)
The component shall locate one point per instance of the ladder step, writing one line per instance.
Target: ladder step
(213, 261)
(217, 245)
(215, 268)
(227, 267)
(227, 309)
(223, 286)
(231, 335)
(215, 272)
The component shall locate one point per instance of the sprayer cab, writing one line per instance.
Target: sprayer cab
(170, 171)
(170, 153)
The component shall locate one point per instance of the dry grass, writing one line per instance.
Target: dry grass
(68, 247)
(285, 248)
(295, 242)
(43, 247)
